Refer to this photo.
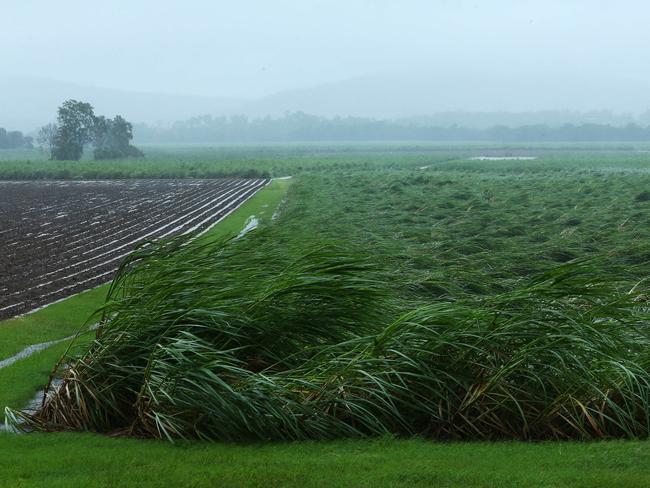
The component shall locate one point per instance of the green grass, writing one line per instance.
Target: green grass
(59, 320)
(65, 460)
(216, 161)
(262, 205)
(19, 381)
(213, 160)
(22, 379)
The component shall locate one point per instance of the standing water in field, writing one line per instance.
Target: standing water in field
(503, 158)
(251, 224)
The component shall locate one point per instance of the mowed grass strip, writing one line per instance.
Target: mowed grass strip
(20, 380)
(53, 322)
(84, 460)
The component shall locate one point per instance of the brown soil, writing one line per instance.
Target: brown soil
(58, 238)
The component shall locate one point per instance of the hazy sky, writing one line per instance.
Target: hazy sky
(250, 48)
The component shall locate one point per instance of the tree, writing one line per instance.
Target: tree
(13, 139)
(76, 124)
(112, 138)
(45, 137)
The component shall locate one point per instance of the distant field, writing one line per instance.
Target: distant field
(249, 160)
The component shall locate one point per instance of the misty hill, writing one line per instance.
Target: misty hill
(472, 100)
(28, 103)
(411, 95)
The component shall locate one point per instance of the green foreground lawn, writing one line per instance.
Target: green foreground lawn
(20, 381)
(64, 460)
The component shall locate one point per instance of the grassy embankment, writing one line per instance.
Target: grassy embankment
(19, 381)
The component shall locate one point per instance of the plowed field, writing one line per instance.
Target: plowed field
(58, 238)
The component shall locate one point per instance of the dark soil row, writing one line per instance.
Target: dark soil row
(60, 238)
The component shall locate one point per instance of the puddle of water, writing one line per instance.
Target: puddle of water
(33, 405)
(29, 350)
(502, 158)
(251, 224)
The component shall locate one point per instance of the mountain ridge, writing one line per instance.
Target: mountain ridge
(27, 102)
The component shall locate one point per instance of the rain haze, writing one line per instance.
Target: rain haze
(299, 243)
(158, 61)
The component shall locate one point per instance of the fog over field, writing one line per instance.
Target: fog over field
(159, 61)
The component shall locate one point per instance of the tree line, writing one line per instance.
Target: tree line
(77, 126)
(14, 139)
(304, 127)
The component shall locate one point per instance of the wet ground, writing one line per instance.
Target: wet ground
(58, 238)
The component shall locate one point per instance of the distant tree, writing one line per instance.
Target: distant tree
(45, 137)
(13, 139)
(76, 124)
(112, 139)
